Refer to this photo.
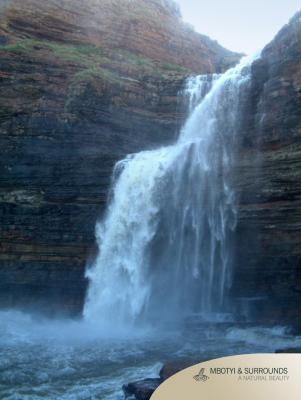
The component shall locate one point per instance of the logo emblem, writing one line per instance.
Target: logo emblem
(201, 377)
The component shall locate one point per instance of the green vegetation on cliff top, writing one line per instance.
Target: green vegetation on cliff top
(89, 65)
(93, 60)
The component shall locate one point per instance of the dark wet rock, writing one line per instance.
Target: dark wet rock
(289, 350)
(267, 274)
(141, 390)
(172, 367)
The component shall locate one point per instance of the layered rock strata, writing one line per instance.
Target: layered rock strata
(82, 84)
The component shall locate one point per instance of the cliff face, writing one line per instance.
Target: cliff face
(268, 269)
(151, 30)
(81, 85)
(84, 83)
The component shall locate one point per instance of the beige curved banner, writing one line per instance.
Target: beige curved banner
(246, 377)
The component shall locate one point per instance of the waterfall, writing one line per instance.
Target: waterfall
(165, 242)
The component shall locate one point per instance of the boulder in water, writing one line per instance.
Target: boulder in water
(141, 390)
(289, 350)
(172, 367)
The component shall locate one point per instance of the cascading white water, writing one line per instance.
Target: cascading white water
(165, 242)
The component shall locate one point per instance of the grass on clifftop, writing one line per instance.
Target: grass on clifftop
(85, 55)
(92, 58)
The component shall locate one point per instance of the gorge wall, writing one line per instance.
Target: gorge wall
(81, 85)
(268, 177)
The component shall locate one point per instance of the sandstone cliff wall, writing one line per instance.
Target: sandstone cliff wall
(268, 178)
(77, 95)
(81, 85)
